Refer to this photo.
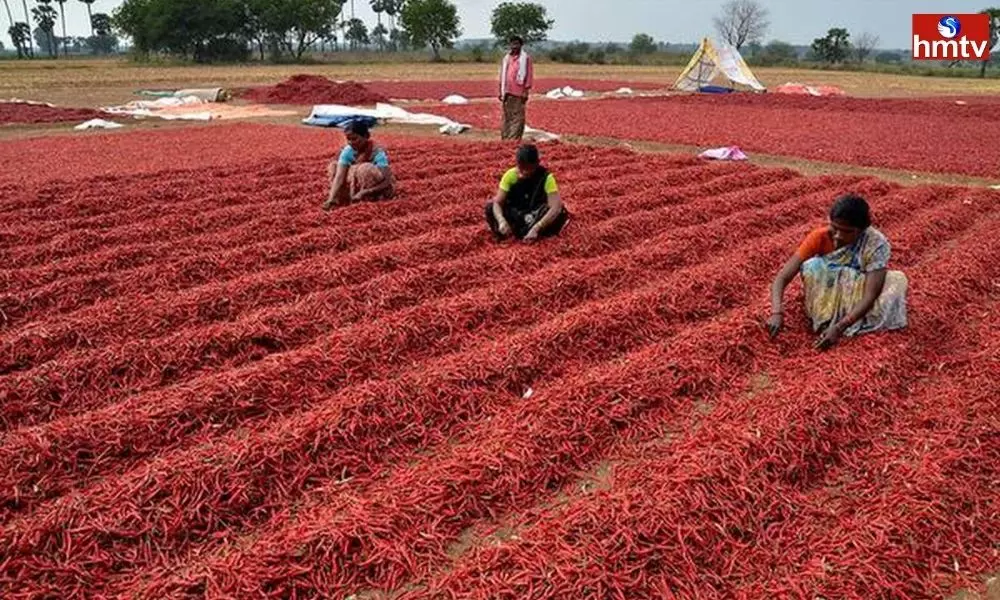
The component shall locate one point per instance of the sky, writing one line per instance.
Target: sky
(676, 21)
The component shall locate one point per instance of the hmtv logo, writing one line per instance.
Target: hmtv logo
(951, 37)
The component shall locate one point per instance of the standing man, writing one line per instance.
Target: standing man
(517, 74)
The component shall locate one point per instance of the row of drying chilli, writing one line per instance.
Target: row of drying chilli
(855, 474)
(83, 380)
(612, 234)
(370, 538)
(288, 259)
(279, 211)
(350, 539)
(598, 328)
(131, 211)
(290, 234)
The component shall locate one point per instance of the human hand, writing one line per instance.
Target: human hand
(829, 338)
(503, 227)
(532, 235)
(774, 325)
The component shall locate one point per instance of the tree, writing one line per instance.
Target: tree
(45, 41)
(433, 23)
(291, 26)
(102, 41)
(90, 15)
(392, 9)
(642, 43)
(378, 7)
(130, 20)
(62, 17)
(994, 15)
(380, 35)
(27, 21)
(379, 32)
(11, 31)
(865, 45)
(776, 53)
(205, 30)
(525, 19)
(742, 21)
(45, 22)
(20, 34)
(834, 48)
(399, 39)
(357, 33)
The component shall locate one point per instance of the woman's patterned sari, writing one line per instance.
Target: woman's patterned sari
(835, 283)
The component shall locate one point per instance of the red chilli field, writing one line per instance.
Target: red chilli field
(920, 135)
(211, 388)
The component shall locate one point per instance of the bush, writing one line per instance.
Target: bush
(888, 58)
(572, 53)
(776, 53)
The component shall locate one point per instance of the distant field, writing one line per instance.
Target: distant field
(92, 82)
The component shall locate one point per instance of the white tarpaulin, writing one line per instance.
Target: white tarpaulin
(453, 129)
(564, 92)
(710, 61)
(393, 114)
(31, 102)
(194, 108)
(382, 112)
(726, 153)
(152, 108)
(540, 136)
(98, 124)
(205, 94)
(386, 113)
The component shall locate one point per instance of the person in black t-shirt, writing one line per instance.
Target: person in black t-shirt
(527, 204)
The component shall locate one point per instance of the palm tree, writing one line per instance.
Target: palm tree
(62, 16)
(378, 7)
(10, 17)
(27, 19)
(380, 34)
(90, 15)
(392, 8)
(45, 19)
(343, 31)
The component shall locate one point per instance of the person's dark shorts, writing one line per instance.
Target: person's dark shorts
(521, 223)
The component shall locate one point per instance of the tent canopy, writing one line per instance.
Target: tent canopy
(710, 61)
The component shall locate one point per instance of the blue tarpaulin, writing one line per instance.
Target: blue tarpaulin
(715, 89)
(338, 120)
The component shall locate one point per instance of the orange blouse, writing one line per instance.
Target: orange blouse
(817, 243)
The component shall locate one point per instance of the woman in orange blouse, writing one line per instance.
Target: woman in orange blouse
(849, 290)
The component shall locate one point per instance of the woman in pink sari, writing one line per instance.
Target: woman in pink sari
(361, 172)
